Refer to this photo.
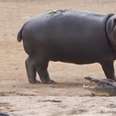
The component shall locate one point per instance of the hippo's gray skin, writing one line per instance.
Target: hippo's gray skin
(68, 36)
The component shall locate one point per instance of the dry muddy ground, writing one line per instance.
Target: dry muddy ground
(69, 97)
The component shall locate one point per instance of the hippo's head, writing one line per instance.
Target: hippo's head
(111, 31)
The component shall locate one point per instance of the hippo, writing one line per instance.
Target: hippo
(69, 36)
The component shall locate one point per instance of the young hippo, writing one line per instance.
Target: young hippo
(68, 36)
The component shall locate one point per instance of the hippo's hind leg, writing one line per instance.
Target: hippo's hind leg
(30, 69)
(43, 73)
(108, 69)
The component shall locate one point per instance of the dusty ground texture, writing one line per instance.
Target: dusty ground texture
(70, 78)
(58, 106)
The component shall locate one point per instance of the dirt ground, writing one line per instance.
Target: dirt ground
(70, 80)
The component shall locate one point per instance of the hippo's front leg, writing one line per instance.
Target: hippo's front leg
(31, 71)
(108, 69)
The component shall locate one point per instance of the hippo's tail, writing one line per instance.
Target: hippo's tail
(19, 35)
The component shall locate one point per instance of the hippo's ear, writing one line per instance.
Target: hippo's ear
(110, 25)
(114, 22)
(114, 27)
(113, 35)
(111, 31)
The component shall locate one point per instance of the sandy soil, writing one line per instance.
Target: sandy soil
(58, 106)
(70, 78)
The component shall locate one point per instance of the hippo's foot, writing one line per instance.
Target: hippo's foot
(36, 82)
(111, 79)
(32, 82)
(48, 82)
